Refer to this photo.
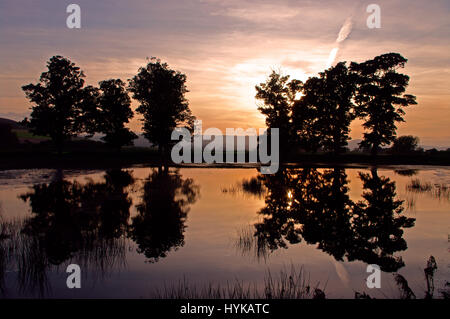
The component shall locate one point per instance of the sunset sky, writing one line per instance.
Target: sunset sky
(227, 47)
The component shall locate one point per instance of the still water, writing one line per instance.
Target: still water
(137, 230)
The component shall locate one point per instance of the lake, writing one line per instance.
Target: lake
(139, 232)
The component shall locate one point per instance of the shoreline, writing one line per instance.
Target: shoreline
(107, 160)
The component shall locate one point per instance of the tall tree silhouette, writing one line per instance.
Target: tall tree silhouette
(323, 114)
(114, 111)
(161, 94)
(88, 116)
(159, 226)
(278, 95)
(56, 101)
(305, 116)
(380, 98)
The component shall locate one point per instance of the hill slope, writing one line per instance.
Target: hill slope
(11, 123)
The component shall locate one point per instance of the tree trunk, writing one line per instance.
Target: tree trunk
(374, 151)
(59, 146)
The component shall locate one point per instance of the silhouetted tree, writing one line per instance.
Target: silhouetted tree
(56, 101)
(161, 94)
(89, 115)
(305, 116)
(380, 98)
(159, 226)
(405, 144)
(114, 112)
(323, 115)
(336, 110)
(278, 95)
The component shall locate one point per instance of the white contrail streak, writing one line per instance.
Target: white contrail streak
(332, 56)
(345, 31)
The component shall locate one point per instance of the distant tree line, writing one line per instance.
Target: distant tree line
(63, 107)
(316, 115)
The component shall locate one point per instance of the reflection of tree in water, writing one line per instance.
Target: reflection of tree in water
(279, 222)
(70, 221)
(315, 206)
(68, 216)
(378, 226)
(324, 210)
(159, 226)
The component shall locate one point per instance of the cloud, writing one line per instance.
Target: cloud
(260, 13)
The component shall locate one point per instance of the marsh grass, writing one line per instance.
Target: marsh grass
(26, 256)
(405, 292)
(252, 186)
(417, 185)
(410, 203)
(232, 189)
(439, 191)
(248, 244)
(289, 284)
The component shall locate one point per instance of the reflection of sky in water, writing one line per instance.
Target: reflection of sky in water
(212, 227)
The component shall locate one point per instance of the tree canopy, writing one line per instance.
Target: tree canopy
(161, 94)
(405, 144)
(63, 107)
(322, 116)
(278, 95)
(114, 111)
(380, 98)
(316, 115)
(57, 100)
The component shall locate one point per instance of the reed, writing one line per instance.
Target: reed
(290, 283)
